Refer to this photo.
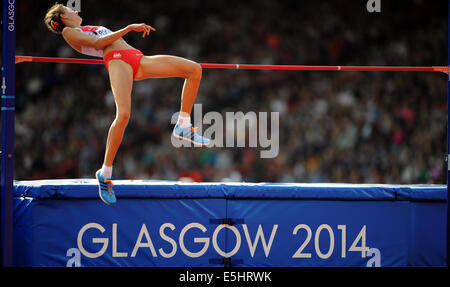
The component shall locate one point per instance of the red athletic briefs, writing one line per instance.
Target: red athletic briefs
(131, 56)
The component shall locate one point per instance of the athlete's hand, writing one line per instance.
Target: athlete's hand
(141, 28)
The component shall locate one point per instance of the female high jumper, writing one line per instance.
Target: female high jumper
(126, 64)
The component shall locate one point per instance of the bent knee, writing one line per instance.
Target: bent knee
(195, 72)
(123, 117)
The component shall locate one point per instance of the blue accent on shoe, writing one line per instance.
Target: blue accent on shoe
(105, 190)
(190, 134)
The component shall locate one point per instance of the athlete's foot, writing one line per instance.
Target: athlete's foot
(105, 190)
(190, 134)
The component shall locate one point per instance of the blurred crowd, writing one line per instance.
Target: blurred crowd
(359, 127)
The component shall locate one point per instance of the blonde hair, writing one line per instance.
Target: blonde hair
(53, 18)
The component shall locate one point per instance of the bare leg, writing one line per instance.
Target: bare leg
(121, 78)
(163, 66)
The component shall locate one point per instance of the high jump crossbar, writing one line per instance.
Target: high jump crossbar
(444, 69)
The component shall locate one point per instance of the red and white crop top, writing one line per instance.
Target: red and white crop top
(96, 32)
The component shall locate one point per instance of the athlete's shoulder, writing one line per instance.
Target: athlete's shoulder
(68, 30)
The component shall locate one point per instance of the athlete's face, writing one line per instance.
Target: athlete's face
(71, 15)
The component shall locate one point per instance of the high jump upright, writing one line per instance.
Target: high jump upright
(7, 148)
(448, 140)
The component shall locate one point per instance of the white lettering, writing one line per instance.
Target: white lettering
(75, 261)
(238, 240)
(260, 234)
(375, 261)
(236, 126)
(114, 243)
(195, 277)
(74, 5)
(168, 239)
(298, 253)
(11, 15)
(215, 129)
(203, 240)
(149, 243)
(94, 240)
(373, 6)
(274, 142)
(246, 276)
(316, 241)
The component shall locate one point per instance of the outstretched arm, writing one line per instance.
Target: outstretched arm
(76, 38)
